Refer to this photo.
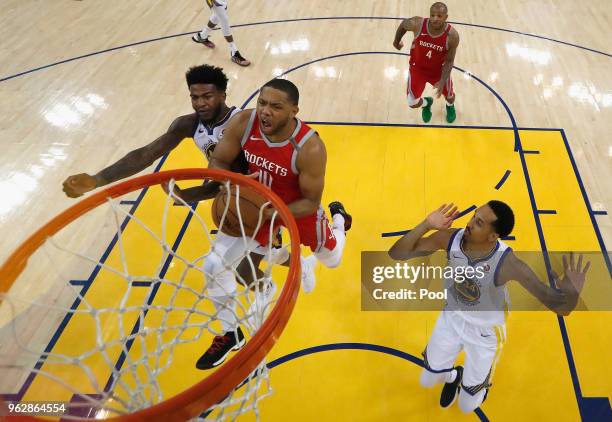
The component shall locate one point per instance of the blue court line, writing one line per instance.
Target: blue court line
(393, 234)
(127, 202)
(6, 78)
(191, 205)
(585, 404)
(356, 346)
(602, 244)
(507, 128)
(86, 285)
(348, 346)
(517, 143)
(466, 211)
(403, 232)
(128, 345)
(600, 212)
(530, 151)
(550, 212)
(141, 283)
(503, 180)
(451, 22)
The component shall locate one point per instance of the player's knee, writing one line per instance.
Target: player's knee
(330, 259)
(428, 379)
(333, 263)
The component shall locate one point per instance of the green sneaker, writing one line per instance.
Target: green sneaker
(451, 115)
(426, 111)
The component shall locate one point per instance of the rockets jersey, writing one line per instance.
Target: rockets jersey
(428, 53)
(275, 161)
(207, 137)
(476, 299)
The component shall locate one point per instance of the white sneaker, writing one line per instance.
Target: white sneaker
(261, 304)
(277, 256)
(308, 276)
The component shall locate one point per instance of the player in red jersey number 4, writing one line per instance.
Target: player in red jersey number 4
(431, 59)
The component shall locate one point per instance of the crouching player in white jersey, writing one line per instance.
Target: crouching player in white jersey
(473, 318)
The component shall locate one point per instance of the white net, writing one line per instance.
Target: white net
(114, 312)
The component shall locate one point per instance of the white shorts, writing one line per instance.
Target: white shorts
(482, 346)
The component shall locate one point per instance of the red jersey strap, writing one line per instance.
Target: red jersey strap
(425, 30)
(297, 146)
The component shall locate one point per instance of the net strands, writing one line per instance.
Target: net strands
(135, 342)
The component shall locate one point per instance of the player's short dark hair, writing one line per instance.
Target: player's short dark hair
(505, 218)
(287, 87)
(439, 4)
(207, 74)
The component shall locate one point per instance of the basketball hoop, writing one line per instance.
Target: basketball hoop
(217, 392)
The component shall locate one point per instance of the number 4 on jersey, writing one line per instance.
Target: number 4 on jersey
(428, 54)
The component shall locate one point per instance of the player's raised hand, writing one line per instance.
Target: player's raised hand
(575, 275)
(398, 45)
(78, 184)
(443, 217)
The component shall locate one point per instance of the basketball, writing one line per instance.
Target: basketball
(250, 205)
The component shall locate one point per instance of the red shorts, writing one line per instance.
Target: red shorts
(418, 79)
(315, 232)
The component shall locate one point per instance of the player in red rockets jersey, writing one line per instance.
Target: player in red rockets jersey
(432, 55)
(290, 158)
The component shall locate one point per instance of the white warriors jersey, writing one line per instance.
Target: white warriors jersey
(476, 299)
(206, 137)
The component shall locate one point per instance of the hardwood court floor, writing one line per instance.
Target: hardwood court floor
(84, 114)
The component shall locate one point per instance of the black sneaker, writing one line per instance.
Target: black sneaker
(198, 38)
(239, 60)
(450, 389)
(336, 207)
(220, 348)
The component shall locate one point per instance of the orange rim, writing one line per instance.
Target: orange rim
(201, 396)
